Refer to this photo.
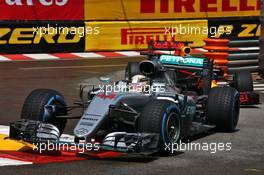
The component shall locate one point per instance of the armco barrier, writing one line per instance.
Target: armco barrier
(233, 55)
(243, 43)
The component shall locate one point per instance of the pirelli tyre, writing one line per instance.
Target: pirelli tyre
(35, 107)
(243, 81)
(223, 108)
(162, 117)
(132, 69)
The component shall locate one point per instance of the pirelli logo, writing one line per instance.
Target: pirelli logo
(192, 6)
(30, 36)
(140, 36)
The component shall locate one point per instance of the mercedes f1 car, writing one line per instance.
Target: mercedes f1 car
(153, 108)
(241, 80)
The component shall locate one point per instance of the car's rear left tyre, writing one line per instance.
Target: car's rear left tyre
(223, 108)
(162, 117)
(34, 107)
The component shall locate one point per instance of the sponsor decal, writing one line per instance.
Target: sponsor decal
(31, 37)
(192, 6)
(104, 96)
(242, 28)
(42, 9)
(135, 35)
(143, 35)
(169, 9)
(168, 44)
(32, 3)
(178, 60)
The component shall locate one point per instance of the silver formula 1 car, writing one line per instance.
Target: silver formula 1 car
(148, 110)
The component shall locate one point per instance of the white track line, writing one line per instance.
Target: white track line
(41, 56)
(4, 130)
(88, 55)
(2, 58)
(129, 53)
(11, 162)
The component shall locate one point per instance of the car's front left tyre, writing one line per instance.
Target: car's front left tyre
(163, 118)
(35, 107)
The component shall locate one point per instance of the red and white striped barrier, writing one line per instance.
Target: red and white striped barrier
(80, 55)
(87, 55)
(61, 56)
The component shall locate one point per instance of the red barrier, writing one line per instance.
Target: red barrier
(42, 10)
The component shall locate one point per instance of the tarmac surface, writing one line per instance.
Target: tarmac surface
(17, 79)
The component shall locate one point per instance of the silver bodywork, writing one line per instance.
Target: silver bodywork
(97, 111)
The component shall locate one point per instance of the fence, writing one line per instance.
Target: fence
(236, 55)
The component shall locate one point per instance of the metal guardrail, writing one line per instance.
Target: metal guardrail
(240, 63)
(243, 56)
(246, 68)
(244, 43)
(237, 55)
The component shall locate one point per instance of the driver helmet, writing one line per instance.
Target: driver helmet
(139, 83)
(138, 79)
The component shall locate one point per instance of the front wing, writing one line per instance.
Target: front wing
(39, 132)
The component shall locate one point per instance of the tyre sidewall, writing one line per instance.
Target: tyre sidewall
(168, 110)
